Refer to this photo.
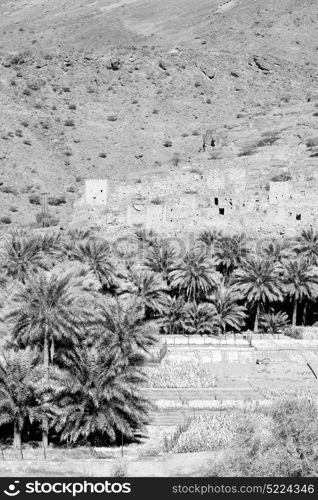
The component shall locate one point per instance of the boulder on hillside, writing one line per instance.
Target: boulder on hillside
(35, 83)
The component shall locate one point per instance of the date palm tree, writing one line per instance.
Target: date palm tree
(96, 255)
(48, 310)
(122, 331)
(258, 282)
(229, 313)
(301, 282)
(273, 322)
(199, 319)
(173, 316)
(102, 401)
(20, 392)
(306, 246)
(194, 276)
(21, 256)
(277, 251)
(147, 288)
(208, 239)
(229, 252)
(160, 259)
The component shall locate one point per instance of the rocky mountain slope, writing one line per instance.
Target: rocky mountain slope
(125, 90)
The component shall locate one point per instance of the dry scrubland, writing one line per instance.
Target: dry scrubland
(126, 91)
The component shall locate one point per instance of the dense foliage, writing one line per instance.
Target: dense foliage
(72, 300)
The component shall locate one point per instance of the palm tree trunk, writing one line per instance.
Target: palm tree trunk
(256, 318)
(305, 313)
(46, 355)
(294, 319)
(52, 351)
(17, 441)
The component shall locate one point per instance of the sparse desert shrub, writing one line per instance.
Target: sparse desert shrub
(55, 201)
(267, 141)
(184, 134)
(9, 190)
(112, 118)
(13, 209)
(312, 142)
(155, 111)
(35, 199)
(19, 133)
(195, 170)
(196, 132)
(26, 92)
(190, 191)
(176, 158)
(315, 114)
(208, 100)
(284, 176)
(5, 220)
(72, 106)
(27, 142)
(247, 152)
(156, 201)
(24, 123)
(102, 155)
(71, 189)
(69, 122)
(36, 84)
(197, 84)
(167, 143)
(46, 220)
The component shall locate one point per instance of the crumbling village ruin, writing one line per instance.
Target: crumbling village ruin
(224, 199)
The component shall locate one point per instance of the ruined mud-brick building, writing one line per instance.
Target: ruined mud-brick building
(194, 197)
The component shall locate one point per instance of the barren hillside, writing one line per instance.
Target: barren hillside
(125, 89)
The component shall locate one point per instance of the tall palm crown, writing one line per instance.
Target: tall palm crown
(277, 251)
(229, 314)
(147, 288)
(229, 252)
(300, 280)
(19, 400)
(194, 275)
(199, 319)
(307, 246)
(20, 256)
(101, 401)
(208, 239)
(48, 309)
(160, 258)
(273, 323)
(258, 281)
(173, 316)
(122, 331)
(97, 256)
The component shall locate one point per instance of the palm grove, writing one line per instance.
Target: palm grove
(77, 319)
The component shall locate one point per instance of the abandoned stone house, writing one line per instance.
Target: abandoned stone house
(190, 200)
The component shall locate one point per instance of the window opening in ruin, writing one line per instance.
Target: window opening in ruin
(298, 217)
(216, 201)
(221, 211)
